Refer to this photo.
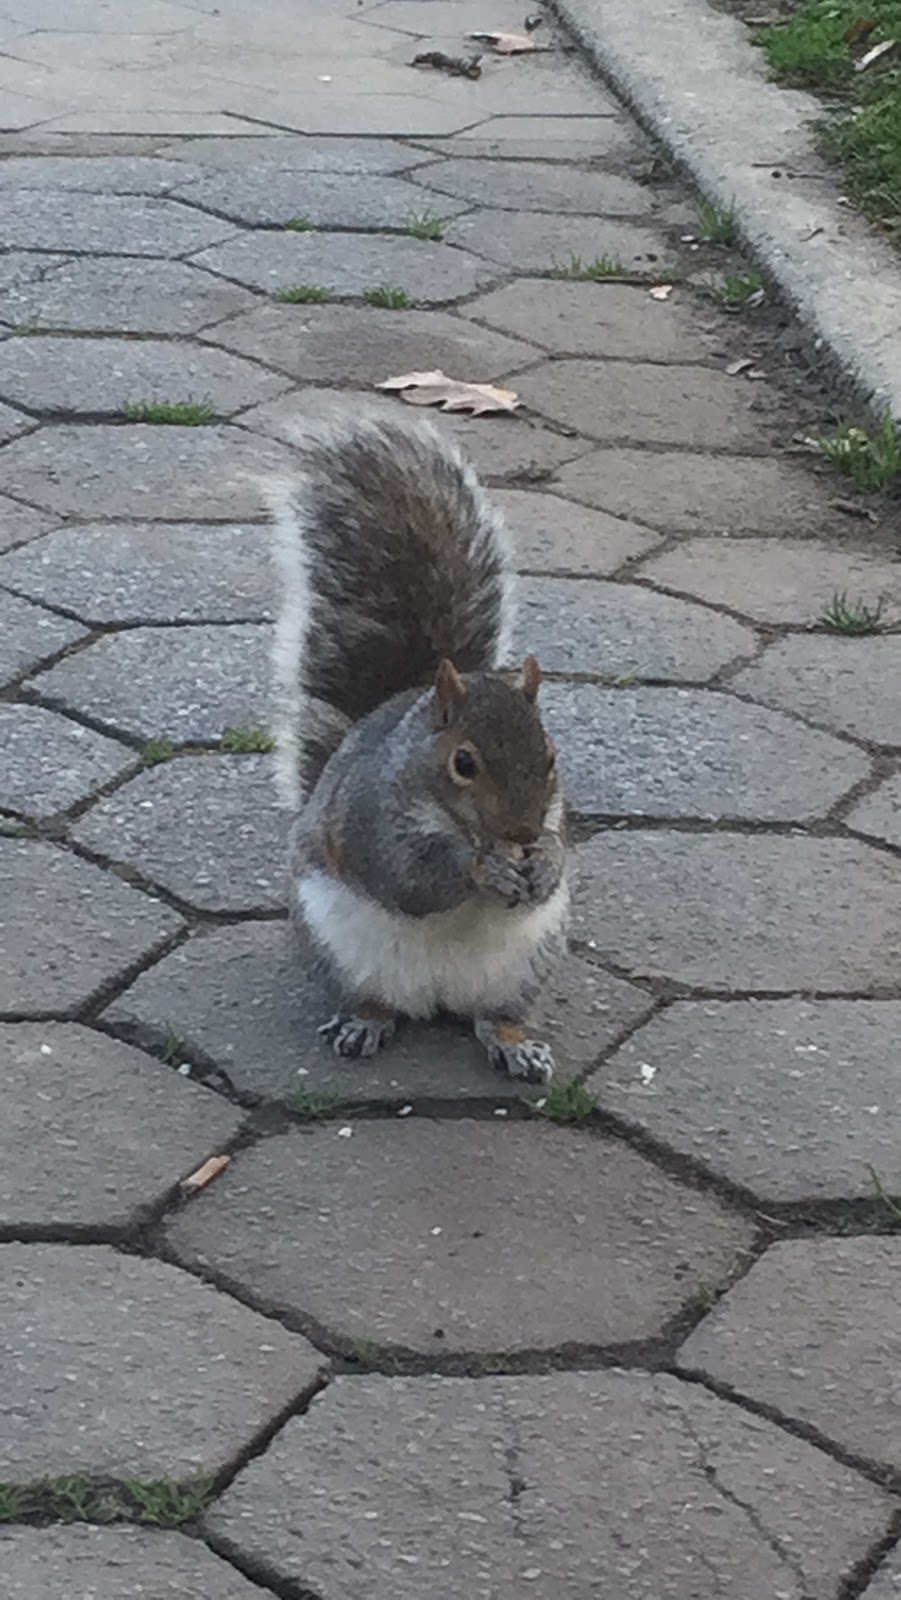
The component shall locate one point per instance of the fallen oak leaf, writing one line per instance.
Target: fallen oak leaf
(509, 44)
(457, 66)
(451, 394)
(211, 1169)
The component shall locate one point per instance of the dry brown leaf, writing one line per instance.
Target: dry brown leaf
(878, 53)
(661, 291)
(509, 44)
(859, 30)
(742, 365)
(451, 394)
(205, 1174)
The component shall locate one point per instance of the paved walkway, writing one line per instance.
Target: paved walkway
(418, 1338)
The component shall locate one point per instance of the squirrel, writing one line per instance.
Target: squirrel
(427, 855)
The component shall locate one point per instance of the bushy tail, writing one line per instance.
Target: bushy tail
(389, 557)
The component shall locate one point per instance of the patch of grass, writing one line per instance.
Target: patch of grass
(303, 294)
(316, 1105)
(871, 460)
(891, 1202)
(170, 413)
(717, 224)
(852, 616)
(594, 271)
(168, 1505)
(245, 741)
(157, 750)
(365, 1351)
(735, 289)
(15, 1502)
(390, 299)
(566, 1100)
(173, 1048)
(812, 49)
(423, 225)
(72, 1499)
(299, 225)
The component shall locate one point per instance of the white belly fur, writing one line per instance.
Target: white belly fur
(472, 960)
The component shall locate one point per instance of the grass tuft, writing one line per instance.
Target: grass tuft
(853, 617)
(871, 460)
(303, 294)
(246, 741)
(168, 1505)
(158, 750)
(423, 225)
(592, 271)
(170, 413)
(717, 224)
(891, 1202)
(390, 299)
(736, 289)
(317, 1105)
(299, 225)
(16, 1502)
(566, 1100)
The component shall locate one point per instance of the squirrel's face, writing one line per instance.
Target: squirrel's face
(496, 767)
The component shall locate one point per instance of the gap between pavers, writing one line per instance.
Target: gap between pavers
(695, 80)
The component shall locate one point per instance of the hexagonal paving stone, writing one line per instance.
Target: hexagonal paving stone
(430, 273)
(815, 1332)
(687, 753)
(319, 344)
(743, 912)
(554, 535)
(204, 827)
(38, 219)
(94, 1133)
(531, 241)
(598, 319)
(847, 684)
(879, 815)
(296, 153)
(29, 634)
(106, 174)
(168, 1377)
(589, 138)
(111, 294)
(183, 684)
(103, 376)
(491, 1486)
(19, 523)
(259, 195)
(537, 186)
(169, 472)
(578, 624)
(67, 929)
(794, 1100)
(115, 1564)
(150, 572)
(250, 1000)
(683, 493)
(654, 404)
(521, 1236)
(50, 763)
(776, 580)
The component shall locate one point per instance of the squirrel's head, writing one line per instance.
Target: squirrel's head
(496, 765)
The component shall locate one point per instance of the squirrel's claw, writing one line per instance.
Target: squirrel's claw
(511, 1051)
(357, 1037)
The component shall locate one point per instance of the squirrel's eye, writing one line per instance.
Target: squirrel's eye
(465, 765)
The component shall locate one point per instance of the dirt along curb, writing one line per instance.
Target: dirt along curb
(695, 80)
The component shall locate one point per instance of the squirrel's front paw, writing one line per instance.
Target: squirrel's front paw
(504, 877)
(510, 1050)
(542, 874)
(357, 1036)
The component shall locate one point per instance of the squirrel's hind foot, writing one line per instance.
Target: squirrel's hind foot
(510, 1050)
(357, 1036)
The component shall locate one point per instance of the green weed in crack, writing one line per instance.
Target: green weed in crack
(170, 413)
(165, 1504)
(423, 225)
(299, 225)
(738, 291)
(853, 617)
(590, 271)
(388, 298)
(303, 294)
(566, 1100)
(316, 1105)
(16, 1502)
(717, 224)
(872, 460)
(891, 1202)
(158, 750)
(246, 741)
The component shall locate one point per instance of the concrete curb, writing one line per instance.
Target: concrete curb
(696, 81)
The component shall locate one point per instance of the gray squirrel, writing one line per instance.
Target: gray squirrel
(427, 860)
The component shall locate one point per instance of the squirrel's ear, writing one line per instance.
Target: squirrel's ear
(530, 678)
(450, 692)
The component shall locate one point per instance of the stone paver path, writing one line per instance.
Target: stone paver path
(416, 1338)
